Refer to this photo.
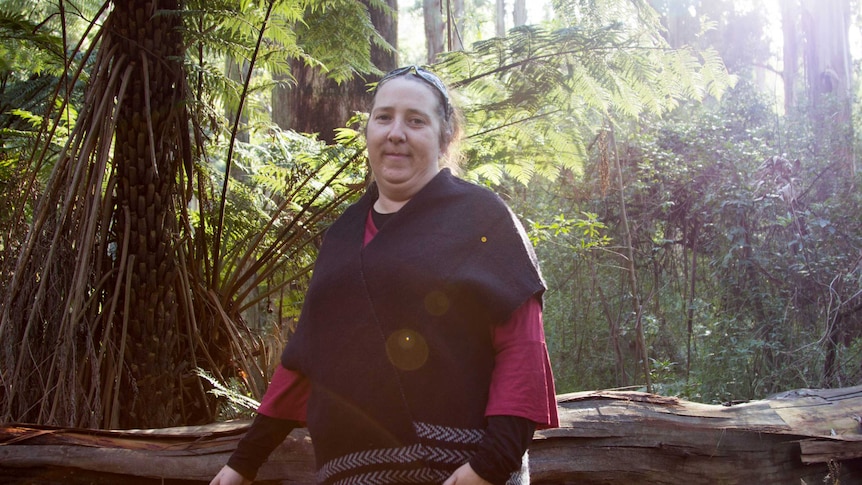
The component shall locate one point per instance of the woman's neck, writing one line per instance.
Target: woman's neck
(385, 205)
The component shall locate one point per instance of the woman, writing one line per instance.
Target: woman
(419, 356)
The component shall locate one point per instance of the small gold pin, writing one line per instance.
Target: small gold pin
(484, 239)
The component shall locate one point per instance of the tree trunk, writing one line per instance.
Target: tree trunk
(613, 334)
(281, 114)
(455, 25)
(828, 69)
(789, 16)
(316, 104)
(102, 344)
(433, 15)
(690, 296)
(500, 19)
(237, 73)
(146, 162)
(826, 24)
(681, 28)
(519, 13)
(605, 437)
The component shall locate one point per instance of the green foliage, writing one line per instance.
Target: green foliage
(762, 229)
(235, 400)
(26, 46)
(334, 35)
(290, 189)
(535, 98)
(348, 51)
(769, 242)
(38, 100)
(586, 232)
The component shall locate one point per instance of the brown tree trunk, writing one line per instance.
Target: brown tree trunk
(146, 159)
(316, 104)
(237, 73)
(102, 344)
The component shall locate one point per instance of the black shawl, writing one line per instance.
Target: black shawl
(395, 337)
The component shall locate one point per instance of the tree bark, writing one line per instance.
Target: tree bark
(313, 103)
(519, 13)
(828, 70)
(500, 19)
(826, 24)
(237, 72)
(433, 14)
(146, 162)
(455, 25)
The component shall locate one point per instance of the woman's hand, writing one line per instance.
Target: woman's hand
(465, 476)
(229, 476)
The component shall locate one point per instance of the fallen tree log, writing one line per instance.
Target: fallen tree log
(804, 436)
(606, 437)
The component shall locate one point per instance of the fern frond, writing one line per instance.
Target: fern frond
(234, 396)
(522, 91)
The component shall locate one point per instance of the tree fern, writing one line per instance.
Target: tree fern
(519, 89)
(269, 239)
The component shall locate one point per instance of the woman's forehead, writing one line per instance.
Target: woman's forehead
(406, 90)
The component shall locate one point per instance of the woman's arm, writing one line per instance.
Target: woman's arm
(283, 408)
(501, 451)
(259, 442)
(522, 396)
(522, 383)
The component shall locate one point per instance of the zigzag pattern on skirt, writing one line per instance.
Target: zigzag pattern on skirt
(449, 434)
(417, 463)
(392, 465)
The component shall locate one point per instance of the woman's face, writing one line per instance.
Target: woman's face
(403, 136)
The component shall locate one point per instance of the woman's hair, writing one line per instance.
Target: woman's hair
(451, 120)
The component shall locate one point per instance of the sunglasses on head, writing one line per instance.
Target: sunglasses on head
(425, 75)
